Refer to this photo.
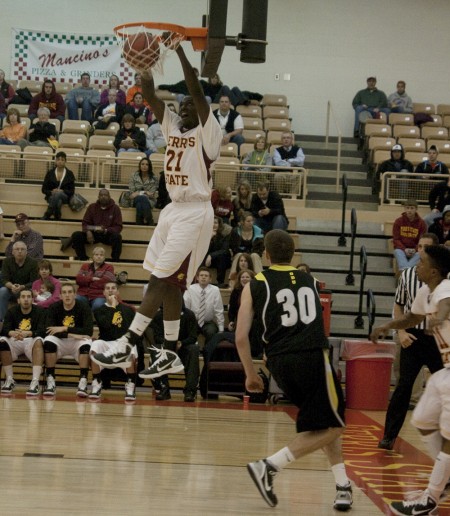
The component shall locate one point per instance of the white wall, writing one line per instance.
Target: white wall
(328, 47)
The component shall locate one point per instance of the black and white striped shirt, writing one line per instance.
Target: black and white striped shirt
(406, 292)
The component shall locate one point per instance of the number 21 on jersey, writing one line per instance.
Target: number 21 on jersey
(306, 311)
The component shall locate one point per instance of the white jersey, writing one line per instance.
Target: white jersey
(426, 303)
(189, 156)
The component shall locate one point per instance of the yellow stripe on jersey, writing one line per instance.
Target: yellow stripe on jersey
(331, 388)
(282, 268)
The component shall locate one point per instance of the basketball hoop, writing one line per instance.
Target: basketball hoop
(145, 49)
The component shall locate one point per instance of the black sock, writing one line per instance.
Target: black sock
(98, 377)
(132, 377)
(50, 371)
(170, 345)
(84, 371)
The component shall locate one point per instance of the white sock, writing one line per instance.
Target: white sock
(139, 323)
(440, 474)
(340, 474)
(171, 330)
(8, 370)
(433, 442)
(281, 458)
(37, 370)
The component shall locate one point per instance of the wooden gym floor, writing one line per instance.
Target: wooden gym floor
(76, 457)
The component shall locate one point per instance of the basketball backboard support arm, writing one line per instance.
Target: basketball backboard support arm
(251, 42)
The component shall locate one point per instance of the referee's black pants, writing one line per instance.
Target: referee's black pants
(422, 351)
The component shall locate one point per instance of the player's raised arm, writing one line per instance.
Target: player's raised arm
(194, 87)
(149, 92)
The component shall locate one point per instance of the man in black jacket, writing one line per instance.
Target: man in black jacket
(438, 199)
(268, 209)
(230, 122)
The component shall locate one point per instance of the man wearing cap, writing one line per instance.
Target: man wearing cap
(370, 99)
(23, 233)
(397, 163)
(406, 232)
(432, 165)
(441, 227)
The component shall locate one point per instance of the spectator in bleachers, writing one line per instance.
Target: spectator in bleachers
(58, 187)
(288, 154)
(141, 113)
(92, 278)
(49, 99)
(205, 301)
(180, 88)
(45, 271)
(438, 198)
(268, 209)
(243, 200)
(113, 320)
(109, 111)
(129, 138)
(41, 133)
(6, 90)
(397, 163)
(70, 326)
(441, 227)
(218, 256)
(399, 101)
(230, 122)
(102, 223)
(143, 186)
(243, 277)
(222, 203)
(15, 132)
(406, 232)
(372, 100)
(85, 97)
(244, 263)
(155, 139)
(18, 273)
(137, 87)
(249, 239)
(432, 165)
(260, 156)
(45, 291)
(214, 89)
(31, 238)
(113, 84)
(186, 348)
(23, 333)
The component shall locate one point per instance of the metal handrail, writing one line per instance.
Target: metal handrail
(371, 309)
(331, 114)
(342, 241)
(359, 321)
(350, 279)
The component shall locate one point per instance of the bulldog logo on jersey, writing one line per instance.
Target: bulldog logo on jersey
(69, 321)
(25, 325)
(181, 276)
(117, 319)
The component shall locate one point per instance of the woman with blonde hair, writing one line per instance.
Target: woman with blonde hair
(243, 200)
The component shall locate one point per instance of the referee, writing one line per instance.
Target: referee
(416, 350)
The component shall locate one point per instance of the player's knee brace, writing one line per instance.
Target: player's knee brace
(84, 350)
(4, 346)
(50, 347)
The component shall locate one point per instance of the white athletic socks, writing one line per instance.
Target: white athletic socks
(281, 458)
(8, 370)
(37, 370)
(171, 330)
(440, 474)
(340, 475)
(433, 442)
(139, 324)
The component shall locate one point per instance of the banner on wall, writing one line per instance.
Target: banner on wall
(39, 55)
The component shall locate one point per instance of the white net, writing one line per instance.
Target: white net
(146, 49)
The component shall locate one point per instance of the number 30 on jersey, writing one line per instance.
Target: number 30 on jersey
(306, 311)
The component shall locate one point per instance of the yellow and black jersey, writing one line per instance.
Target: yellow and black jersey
(287, 306)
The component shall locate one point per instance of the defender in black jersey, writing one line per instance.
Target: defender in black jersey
(285, 302)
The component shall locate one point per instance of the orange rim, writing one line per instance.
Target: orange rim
(196, 35)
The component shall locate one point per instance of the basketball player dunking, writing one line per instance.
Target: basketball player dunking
(181, 238)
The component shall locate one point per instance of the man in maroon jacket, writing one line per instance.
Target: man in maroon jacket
(50, 99)
(102, 222)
